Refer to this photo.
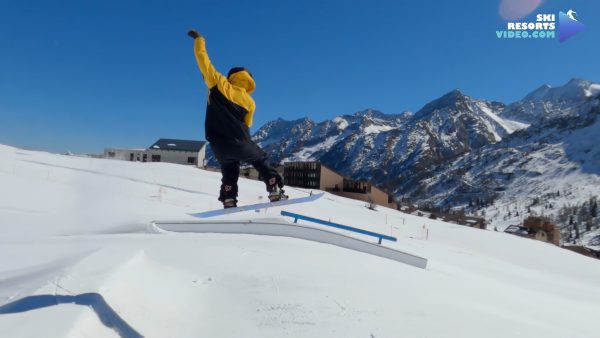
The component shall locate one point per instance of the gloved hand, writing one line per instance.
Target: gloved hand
(194, 34)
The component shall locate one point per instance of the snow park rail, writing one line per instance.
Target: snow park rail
(267, 227)
(339, 226)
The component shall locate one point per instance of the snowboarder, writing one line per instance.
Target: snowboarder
(229, 114)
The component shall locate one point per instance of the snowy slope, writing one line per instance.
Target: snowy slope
(76, 231)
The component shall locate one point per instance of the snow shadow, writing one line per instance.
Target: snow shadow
(105, 313)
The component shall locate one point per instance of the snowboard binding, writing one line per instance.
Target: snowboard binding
(229, 203)
(277, 195)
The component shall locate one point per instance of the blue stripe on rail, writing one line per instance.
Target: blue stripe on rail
(339, 226)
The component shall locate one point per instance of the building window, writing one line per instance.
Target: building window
(356, 186)
(131, 157)
(155, 158)
(145, 158)
(302, 174)
(191, 160)
(111, 154)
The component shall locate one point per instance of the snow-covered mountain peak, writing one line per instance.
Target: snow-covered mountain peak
(575, 89)
(538, 94)
(369, 113)
(451, 99)
(456, 112)
(548, 103)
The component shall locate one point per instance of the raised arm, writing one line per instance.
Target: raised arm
(211, 76)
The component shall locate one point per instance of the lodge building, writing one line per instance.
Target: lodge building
(315, 175)
(185, 152)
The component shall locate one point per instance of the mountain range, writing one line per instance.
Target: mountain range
(459, 151)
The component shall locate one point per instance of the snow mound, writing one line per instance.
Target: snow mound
(79, 258)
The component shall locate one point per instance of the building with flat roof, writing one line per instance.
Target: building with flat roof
(184, 152)
(315, 175)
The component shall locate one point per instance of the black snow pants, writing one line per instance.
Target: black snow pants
(230, 154)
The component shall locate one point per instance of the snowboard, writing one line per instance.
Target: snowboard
(257, 206)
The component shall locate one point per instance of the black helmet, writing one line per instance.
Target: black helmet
(238, 69)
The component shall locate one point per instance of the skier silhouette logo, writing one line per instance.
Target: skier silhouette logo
(568, 25)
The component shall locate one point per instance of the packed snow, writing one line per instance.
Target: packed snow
(80, 258)
(306, 153)
(376, 129)
(593, 90)
(508, 125)
(341, 123)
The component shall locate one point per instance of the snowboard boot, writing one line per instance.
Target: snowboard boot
(228, 195)
(229, 203)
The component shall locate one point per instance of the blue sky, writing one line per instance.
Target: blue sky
(84, 75)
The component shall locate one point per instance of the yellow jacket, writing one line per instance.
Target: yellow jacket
(237, 88)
